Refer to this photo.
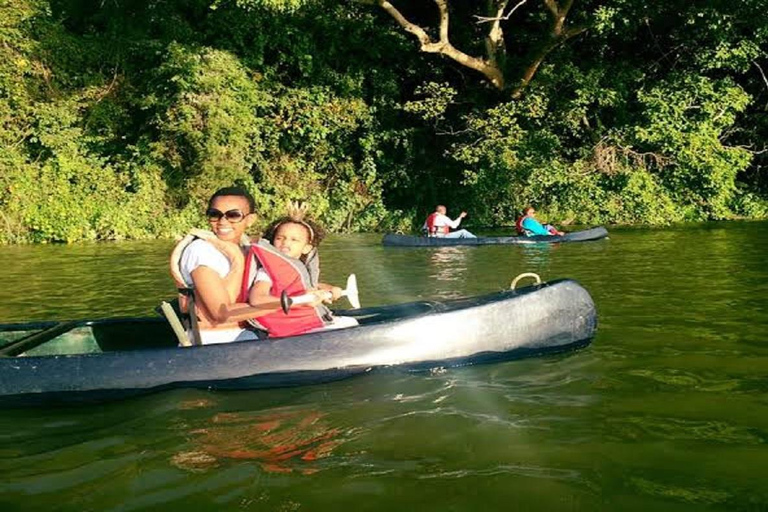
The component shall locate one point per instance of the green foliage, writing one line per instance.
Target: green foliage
(119, 120)
(208, 132)
(280, 6)
(685, 121)
(435, 100)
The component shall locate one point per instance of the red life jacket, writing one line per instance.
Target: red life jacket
(293, 277)
(519, 224)
(432, 229)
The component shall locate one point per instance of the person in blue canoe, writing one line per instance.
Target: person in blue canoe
(527, 225)
(439, 224)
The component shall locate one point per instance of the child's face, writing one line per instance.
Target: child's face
(292, 240)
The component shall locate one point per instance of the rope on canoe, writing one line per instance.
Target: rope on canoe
(523, 276)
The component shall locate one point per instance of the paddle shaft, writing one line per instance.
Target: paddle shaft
(350, 292)
(36, 339)
(310, 297)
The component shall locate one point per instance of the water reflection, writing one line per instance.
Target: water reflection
(539, 254)
(280, 440)
(449, 264)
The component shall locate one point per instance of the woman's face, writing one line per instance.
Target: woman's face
(223, 216)
(292, 239)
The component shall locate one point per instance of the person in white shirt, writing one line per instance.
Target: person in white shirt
(439, 224)
(214, 268)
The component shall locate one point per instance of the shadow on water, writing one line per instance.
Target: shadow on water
(667, 409)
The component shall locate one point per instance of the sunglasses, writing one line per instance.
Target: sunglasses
(215, 215)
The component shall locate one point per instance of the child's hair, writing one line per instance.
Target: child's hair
(297, 215)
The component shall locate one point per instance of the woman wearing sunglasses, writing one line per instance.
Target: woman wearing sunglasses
(214, 269)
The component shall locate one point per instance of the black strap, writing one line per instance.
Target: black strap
(195, 328)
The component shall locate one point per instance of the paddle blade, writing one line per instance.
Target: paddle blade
(351, 292)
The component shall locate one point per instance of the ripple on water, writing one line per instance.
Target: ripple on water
(665, 410)
(696, 495)
(651, 428)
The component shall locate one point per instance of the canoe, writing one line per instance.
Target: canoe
(97, 360)
(396, 240)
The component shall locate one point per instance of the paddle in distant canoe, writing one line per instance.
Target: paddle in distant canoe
(395, 240)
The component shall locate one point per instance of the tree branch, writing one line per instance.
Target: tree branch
(761, 72)
(500, 16)
(552, 6)
(442, 6)
(494, 41)
(444, 47)
(414, 29)
(558, 35)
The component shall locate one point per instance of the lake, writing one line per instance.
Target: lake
(667, 410)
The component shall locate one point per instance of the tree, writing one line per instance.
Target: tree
(493, 64)
(488, 25)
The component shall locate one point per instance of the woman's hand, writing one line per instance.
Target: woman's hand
(231, 250)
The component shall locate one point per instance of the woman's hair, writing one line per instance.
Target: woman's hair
(234, 191)
(297, 215)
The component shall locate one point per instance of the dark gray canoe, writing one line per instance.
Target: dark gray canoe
(98, 360)
(395, 240)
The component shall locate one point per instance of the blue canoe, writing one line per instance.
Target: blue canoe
(396, 240)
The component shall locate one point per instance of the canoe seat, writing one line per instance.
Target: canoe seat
(134, 334)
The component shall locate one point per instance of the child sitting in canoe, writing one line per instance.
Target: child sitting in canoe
(528, 225)
(288, 261)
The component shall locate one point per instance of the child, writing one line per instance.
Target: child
(289, 262)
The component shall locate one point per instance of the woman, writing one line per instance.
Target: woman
(214, 270)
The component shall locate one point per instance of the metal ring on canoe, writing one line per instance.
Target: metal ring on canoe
(523, 276)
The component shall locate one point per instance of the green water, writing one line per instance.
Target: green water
(666, 410)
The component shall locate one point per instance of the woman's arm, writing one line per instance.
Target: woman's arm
(234, 279)
(214, 297)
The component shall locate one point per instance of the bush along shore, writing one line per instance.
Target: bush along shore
(120, 118)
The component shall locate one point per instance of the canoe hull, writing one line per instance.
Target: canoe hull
(552, 317)
(396, 240)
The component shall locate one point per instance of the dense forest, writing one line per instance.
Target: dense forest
(120, 117)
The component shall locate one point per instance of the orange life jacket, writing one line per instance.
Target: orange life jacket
(519, 224)
(432, 230)
(292, 276)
